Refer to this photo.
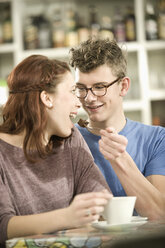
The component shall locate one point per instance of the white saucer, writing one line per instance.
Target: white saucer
(135, 222)
(138, 218)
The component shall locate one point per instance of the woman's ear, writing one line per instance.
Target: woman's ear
(46, 99)
(125, 84)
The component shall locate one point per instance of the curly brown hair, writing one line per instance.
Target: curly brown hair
(96, 52)
(24, 110)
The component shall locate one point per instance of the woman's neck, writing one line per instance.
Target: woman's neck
(13, 139)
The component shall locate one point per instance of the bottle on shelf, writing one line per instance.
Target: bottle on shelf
(30, 34)
(82, 29)
(94, 25)
(156, 121)
(151, 22)
(1, 23)
(1, 29)
(7, 25)
(44, 31)
(130, 26)
(106, 30)
(71, 36)
(161, 19)
(119, 26)
(58, 32)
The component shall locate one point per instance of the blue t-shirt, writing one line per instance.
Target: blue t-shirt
(146, 146)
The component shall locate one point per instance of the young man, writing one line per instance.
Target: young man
(130, 155)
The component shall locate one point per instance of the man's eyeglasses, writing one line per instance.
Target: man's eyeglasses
(98, 89)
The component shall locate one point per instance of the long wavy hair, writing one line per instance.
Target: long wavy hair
(24, 110)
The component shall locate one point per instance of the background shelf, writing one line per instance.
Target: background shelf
(146, 58)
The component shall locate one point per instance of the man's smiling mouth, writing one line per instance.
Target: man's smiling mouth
(94, 107)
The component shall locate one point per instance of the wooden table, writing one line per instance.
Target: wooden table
(88, 237)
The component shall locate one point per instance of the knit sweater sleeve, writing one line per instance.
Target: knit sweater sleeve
(87, 175)
(6, 208)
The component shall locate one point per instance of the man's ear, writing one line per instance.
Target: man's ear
(46, 99)
(125, 84)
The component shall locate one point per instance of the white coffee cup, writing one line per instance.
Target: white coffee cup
(119, 210)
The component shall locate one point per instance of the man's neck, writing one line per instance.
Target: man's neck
(117, 123)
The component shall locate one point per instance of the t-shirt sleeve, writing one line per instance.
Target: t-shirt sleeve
(156, 161)
(88, 177)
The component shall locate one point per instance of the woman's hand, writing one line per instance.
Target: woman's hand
(112, 145)
(86, 208)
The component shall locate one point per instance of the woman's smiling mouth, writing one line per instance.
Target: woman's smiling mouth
(73, 115)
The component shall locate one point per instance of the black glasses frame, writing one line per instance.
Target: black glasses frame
(105, 86)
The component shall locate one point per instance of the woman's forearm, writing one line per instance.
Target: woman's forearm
(37, 223)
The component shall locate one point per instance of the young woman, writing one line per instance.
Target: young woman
(48, 179)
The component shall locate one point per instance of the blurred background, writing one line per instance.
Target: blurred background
(51, 27)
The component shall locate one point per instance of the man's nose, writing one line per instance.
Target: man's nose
(90, 96)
